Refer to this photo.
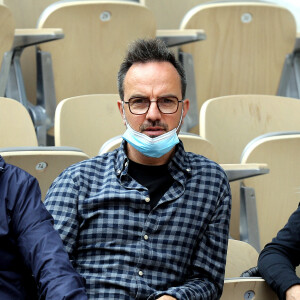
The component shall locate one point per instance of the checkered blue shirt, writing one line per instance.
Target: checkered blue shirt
(124, 249)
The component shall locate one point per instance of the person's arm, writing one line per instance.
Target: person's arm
(277, 261)
(61, 202)
(208, 267)
(41, 246)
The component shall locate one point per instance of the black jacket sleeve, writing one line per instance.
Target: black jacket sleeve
(277, 261)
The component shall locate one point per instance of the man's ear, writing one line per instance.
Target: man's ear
(121, 111)
(186, 107)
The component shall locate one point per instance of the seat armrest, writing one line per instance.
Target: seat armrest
(177, 37)
(29, 37)
(241, 171)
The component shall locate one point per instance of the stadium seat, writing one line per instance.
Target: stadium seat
(230, 122)
(241, 256)
(245, 49)
(277, 195)
(86, 122)
(44, 163)
(248, 289)
(16, 127)
(97, 34)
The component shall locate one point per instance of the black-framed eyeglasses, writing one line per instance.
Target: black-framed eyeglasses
(140, 105)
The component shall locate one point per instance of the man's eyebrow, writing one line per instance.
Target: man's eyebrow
(145, 97)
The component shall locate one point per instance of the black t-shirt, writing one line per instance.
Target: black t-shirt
(156, 179)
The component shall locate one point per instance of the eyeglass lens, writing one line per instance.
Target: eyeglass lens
(167, 105)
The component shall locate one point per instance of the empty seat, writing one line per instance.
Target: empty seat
(16, 127)
(230, 122)
(241, 256)
(44, 163)
(277, 194)
(86, 122)
(245, 49)
(97, 34)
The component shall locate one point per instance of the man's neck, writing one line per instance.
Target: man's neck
(140, 158)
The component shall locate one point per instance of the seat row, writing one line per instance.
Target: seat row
(237, 57)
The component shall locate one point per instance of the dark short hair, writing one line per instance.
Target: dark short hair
(147, 50)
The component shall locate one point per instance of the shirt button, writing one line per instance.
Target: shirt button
(188, 170)
(146, 237)
(141, 273)
(118, 172)
(147, 199)
(126, 164)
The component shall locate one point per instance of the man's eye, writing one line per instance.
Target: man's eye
(138, 101)
(167, 101)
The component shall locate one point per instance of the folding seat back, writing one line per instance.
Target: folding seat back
(86, 122)
(241, 256)
(44, 163)
(277, 194)
(230, 122)
(97, 34)
(16, 127)
(245, 49)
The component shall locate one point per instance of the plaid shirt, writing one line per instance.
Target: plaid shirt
(124, 249)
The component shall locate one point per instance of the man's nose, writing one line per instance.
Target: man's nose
(153, 111)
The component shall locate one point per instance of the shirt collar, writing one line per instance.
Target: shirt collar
(179, 160)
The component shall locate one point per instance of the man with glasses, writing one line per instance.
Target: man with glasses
(147, 220)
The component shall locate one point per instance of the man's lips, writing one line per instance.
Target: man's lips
(154, 131)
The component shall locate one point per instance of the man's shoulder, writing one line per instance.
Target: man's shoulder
(202, 166)
(13, 173)
(93, 165)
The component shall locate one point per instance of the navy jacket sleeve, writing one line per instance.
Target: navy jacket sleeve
(40, 245)
(278, 259)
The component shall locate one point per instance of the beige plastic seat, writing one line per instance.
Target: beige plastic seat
(245, 49)
(44, 163)
(277, 194)
(241, 256)
(16, 127)
(86, 122)
(230, 122)
(247, 288)
(97, 34)
(7, 27)
(18, 146)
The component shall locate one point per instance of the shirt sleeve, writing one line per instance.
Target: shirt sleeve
(41, 246)
(208, 267)
(277, 261)
(62, 202)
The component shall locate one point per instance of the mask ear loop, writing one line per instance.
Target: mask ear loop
(181, 118)
(124, 117)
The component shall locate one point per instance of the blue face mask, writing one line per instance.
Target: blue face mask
(152, 147)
